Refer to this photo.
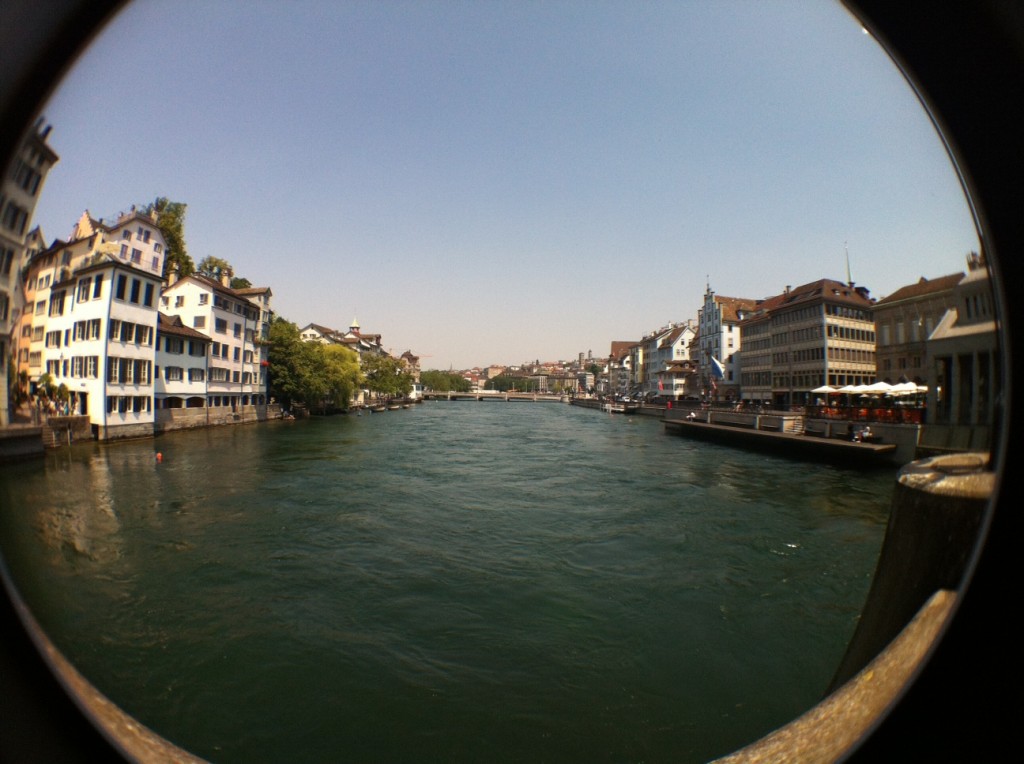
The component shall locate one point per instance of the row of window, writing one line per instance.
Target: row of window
(800, 356)
(845, 311)
(14, 217)
(79, 367)
(25, 176)
(129, 332)
(800, 314)
(136, 257)
(850, 333)
(220, 374)
(122, 289)
(129, 404)
(176, 346)
(141, 234)
(90, 286)
(177, 374)
(129, 371)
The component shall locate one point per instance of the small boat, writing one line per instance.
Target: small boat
(379, 408)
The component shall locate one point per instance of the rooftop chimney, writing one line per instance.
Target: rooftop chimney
(225, 277)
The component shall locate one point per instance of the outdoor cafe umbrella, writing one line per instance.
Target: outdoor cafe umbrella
(827, 389)
(904, 388)
(878, 388)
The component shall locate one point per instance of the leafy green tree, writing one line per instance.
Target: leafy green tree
(385, 376)
(444, 381)
(319, 376)
(212, 267)
(240, 283)
(504, 383)
(343, 375)
(287, 362)
(170, 219)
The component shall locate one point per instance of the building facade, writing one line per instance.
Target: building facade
(181, 365)
(236, 375)
(98, 347)
(718, 323)
(816, 334)
(903, 322)
(962, 357)
(658, 351)
(20, 189)
(86, 331)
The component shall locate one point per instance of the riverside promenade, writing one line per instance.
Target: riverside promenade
(794, 434)
(786, 433)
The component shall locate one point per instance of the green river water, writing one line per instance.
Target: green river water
(457, 582)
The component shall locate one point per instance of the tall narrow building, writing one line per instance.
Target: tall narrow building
(19, 192)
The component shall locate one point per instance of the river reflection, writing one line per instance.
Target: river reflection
(461, 581)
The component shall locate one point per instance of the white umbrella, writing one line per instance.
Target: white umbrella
(825, 389)
(849, 389)
(903, 388)
(878, 388)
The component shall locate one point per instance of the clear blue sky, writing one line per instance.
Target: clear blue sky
(494, 182)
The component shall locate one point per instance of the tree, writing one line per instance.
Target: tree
(319, 376)
(212, 267)
(504, 383)
(343, 376)
(286, 362)
(239, 282)
(444, 381)
(385, 376)
(170, 219)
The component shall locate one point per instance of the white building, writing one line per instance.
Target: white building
(236, 325)
(181, 365)
(719, 329)
(98, 342)
(659, 352)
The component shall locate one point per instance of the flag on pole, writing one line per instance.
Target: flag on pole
(717, 373)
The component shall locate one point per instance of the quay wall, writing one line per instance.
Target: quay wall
(20, 442)
(59, 431)
(168, 420)
(904, 437)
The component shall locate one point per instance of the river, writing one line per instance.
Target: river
(455, 582)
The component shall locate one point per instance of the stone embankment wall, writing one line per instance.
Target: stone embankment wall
(20, 442)
(64, 430)
(168, 420)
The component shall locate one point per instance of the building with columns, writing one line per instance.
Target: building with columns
(962, 357)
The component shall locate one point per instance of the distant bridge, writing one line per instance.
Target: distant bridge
(493, 395)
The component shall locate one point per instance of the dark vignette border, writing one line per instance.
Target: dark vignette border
(966, 61)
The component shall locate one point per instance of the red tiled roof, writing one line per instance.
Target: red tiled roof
(172, 325)
(923, 287)
(731, 306)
